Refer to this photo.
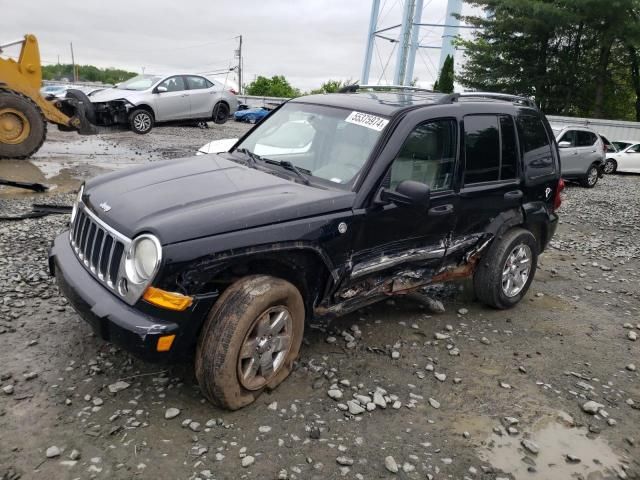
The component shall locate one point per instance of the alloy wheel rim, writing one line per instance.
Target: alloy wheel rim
(142, 122)
(265, 348)
(608, 167)
(516, 270)
(14, 126)
(592, 176)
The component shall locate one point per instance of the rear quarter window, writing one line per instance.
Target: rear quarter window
(535, 145)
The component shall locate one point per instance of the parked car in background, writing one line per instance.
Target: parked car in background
(625, 160)
(364, 195)
(622, 144)
(582, 154)
(145, 100)
(60, 91)
(251, 115)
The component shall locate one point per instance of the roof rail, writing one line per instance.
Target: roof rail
(355, 87)
(500, 96)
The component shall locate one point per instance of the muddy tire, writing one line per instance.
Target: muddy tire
(250, 340)
(506, 271)
(141, 121)
(220, 113)
(22, 126)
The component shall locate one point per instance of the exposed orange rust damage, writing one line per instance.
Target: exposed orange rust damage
(455, 273)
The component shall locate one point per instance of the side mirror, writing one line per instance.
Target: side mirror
(407, 193)
(564, 144)
(161, 89)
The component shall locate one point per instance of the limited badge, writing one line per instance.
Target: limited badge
(342, 227)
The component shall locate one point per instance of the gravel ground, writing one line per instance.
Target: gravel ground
(548, 390)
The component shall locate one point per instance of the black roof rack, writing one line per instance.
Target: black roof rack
(499, 96)
(385, 88)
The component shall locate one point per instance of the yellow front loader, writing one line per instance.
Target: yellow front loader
(24, 112)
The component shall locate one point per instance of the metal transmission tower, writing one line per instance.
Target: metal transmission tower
(451, 28)
(408, 41)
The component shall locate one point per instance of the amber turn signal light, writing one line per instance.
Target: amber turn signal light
(165, 342)
(169, 300)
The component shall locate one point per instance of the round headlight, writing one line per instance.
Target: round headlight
(74, 210)
(143, 258)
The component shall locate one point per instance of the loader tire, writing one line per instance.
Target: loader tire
(82, 97)
(22, 126)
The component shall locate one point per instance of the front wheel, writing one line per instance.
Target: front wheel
(610, 166)
(141, 121)
(506, 271)
(250, 340)
(590, 179)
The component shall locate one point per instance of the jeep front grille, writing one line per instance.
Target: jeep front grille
(98, 247)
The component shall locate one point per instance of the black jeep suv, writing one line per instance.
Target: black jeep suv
(333, 202)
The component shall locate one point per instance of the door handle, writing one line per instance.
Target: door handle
(441, 210)
(513, 195)
(184, 95)
(574, 153)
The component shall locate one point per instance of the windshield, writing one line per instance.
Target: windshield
(141, 82)
(329, 143)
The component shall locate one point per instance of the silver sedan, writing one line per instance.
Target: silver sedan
(146, 100)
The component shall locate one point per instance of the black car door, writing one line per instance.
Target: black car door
(398, 245)
(490, 181)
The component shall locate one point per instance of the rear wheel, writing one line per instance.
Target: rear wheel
(22, 126)
(141, 121)
(250, 340)
(610, 166)
(590, 179)
(220, 113)
(506, 271)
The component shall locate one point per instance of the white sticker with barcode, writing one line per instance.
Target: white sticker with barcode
(367, 120)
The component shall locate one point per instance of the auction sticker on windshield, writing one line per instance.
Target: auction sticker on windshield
(367, 120)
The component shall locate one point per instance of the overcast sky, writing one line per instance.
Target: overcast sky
(308, 41)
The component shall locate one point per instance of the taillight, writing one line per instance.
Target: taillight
(557, 199)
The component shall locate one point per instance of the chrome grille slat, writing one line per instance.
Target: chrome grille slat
(98, 247)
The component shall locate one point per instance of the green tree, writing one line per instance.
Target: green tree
(86, 73)
(444, 83)
(332, 86)
(574, 57)
(276, 86)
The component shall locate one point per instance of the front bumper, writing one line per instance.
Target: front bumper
(111, 318)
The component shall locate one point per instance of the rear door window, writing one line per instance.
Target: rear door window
(197, 83)
(491, 151)
(585, 139)
(535, 145)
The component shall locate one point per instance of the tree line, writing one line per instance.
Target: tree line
(576, 58)
(86, 73)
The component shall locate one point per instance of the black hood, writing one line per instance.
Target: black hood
(179, 200)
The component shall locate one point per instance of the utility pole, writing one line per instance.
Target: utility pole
(73, 64)
(240, 65)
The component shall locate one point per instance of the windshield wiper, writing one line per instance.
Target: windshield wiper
(287, 165)
(250, 155)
